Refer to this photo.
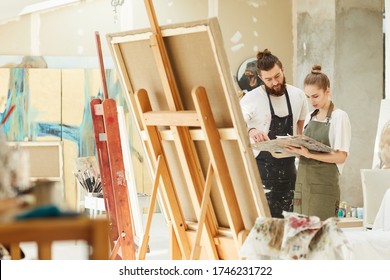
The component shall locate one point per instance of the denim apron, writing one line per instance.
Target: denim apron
(278, 175)
(317, 191)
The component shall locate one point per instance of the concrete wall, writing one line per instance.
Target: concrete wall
(259, 25)
(359, 80)
(314, 37)
(346, 37)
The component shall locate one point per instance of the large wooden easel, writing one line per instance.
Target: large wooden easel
(186, 136)
(112, 171)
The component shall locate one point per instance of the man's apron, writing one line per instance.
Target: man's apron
(317, 191)
(278, 175)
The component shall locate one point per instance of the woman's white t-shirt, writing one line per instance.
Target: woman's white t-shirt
(339, 132)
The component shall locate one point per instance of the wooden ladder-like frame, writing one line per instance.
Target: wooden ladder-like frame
(207, 228)
(112, 171)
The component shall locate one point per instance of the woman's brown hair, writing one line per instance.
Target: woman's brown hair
(316, 77)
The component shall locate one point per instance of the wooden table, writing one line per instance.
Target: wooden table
(45, 230)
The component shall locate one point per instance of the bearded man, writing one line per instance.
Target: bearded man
(274, 109)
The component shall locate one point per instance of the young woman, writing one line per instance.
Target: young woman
(317, 190)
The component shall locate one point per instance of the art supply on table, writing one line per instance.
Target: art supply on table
(359, 212)
(354, 212)
(45, 211)
(343, 209)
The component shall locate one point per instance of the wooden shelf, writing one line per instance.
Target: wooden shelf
(350, 222)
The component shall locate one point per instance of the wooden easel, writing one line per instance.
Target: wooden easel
(179, 122)
(203, 118)
(112, 171)
(188, 174)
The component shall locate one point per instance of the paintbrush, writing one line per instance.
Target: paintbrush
(7, 115)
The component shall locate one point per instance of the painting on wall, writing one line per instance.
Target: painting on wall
(53, 105)
(15, 90)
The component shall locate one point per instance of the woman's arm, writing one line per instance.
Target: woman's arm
(332, 157)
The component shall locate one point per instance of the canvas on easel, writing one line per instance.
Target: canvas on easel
(181, 93)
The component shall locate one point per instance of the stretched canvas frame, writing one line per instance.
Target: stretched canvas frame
(198, 60)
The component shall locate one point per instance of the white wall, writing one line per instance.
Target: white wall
(69, 31)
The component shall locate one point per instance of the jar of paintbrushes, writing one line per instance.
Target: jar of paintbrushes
(86, 171)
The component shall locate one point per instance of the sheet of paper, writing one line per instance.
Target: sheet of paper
(277, 146)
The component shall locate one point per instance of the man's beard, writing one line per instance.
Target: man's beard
(280, 92)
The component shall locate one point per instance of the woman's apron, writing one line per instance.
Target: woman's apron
(317, 191)
(278, 175)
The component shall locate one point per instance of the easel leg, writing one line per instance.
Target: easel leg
(122, 204)
(104, 167)
(202, 217)
(114, 252)
(145, 239)
(218, 160)
(168, 191)
(175, 249)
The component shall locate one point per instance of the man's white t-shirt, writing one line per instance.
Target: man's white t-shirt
(257, 113)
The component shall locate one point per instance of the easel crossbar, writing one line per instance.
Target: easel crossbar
(169, 118)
